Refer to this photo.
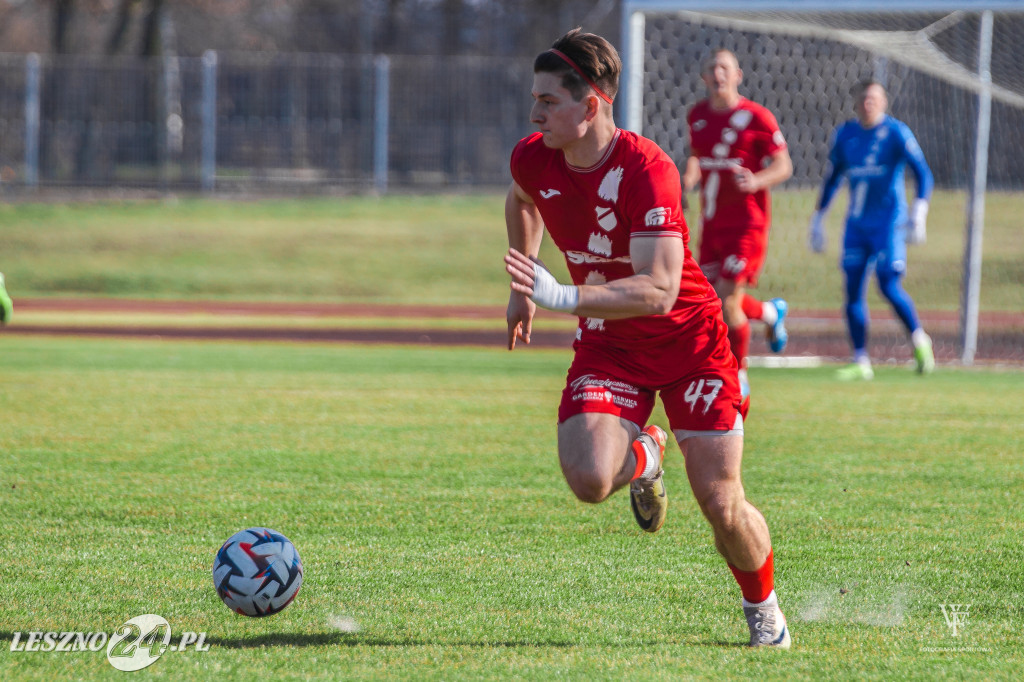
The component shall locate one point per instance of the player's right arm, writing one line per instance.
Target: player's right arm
(525, 231)
(836, 168)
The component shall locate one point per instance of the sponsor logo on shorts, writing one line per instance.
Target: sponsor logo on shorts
(588, 380)
(595, 394)
(590, 390)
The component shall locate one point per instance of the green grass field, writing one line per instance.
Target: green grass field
(421, 484)
(426, 250)
(421, 487)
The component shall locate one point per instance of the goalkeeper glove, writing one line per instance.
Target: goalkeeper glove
(915, 227)
(816, 232)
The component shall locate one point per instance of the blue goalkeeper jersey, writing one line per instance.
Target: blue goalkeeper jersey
(873, 162)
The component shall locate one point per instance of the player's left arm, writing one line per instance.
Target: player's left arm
(918, 165)
(651, 290)
(915, 227)
(778, 170)
(769, 145)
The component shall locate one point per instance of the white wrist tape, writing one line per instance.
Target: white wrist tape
(920, 210)
(548, 293)
(818, 221)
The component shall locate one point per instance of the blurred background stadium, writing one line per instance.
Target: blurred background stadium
(255, 97)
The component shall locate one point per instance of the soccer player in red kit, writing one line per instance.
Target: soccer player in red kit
(737, 153)
(650, 323)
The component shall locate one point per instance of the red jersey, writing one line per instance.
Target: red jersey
(724, 140)
(593, 213)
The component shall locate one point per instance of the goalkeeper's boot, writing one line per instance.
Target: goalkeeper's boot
(767, 624)
(924, 357)
(857, 371)
(6, 305)
(777, 334)
(647, 496)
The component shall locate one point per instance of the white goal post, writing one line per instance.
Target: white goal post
(936, 54)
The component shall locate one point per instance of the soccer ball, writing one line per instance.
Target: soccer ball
(257, 572)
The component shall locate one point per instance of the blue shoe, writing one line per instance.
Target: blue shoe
(777, 334)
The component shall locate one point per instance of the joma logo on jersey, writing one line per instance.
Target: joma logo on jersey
(702, 390)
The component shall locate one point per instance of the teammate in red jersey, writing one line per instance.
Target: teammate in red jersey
(737, 154)
(650, 323)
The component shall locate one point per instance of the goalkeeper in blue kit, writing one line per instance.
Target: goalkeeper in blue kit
(871, 152)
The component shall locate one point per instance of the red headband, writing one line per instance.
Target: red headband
(586, 79)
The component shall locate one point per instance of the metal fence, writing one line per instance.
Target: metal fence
(250, 121)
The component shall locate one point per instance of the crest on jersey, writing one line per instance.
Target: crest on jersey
(606, 218)
(740, 119)
(729, 136)
(609, 189)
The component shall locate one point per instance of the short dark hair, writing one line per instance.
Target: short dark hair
(714, 53)
(594, 55)
(862, 86)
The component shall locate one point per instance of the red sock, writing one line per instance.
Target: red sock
(752, 307)
(756, 585)
(739, 341)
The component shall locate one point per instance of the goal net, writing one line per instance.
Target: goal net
(803, 66)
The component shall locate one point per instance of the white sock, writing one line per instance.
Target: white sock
(769, 313)
(772, 599)
(861, 358)
(652, 456)
(919, 338)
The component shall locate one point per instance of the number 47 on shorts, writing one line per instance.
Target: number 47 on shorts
(702, 389)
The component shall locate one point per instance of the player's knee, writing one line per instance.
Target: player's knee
(890, 287)
(722, 511)
(732, 311)
(588, 486)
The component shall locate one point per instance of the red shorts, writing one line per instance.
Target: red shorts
(734, 255)
(695, 373)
